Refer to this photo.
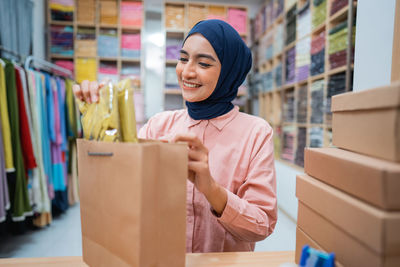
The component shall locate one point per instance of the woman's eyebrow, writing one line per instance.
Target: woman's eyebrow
(206, 56)
(199, 55)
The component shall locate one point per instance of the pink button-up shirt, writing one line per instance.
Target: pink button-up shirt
(241, 160)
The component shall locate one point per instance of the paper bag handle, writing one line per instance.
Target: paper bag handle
(101, 154)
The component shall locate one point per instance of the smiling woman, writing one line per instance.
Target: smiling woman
(231, 189)
(198, 69)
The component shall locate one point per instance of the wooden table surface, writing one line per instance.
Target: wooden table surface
(231, 259)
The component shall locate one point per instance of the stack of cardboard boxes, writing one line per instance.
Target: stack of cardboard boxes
(349, 198)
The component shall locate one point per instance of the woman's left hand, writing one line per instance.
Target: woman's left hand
(199, 172)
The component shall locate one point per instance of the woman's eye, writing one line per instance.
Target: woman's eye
(183, 59)
(204, 64)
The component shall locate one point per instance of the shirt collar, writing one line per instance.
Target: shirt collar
(218, 122)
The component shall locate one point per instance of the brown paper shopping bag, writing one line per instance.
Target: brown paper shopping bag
(133, 203)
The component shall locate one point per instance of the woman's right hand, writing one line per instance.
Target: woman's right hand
(88, 91)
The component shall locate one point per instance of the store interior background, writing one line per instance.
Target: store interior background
(372, 68)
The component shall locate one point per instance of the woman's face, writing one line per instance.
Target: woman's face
(198, 69)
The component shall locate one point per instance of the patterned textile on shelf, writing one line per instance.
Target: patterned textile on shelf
(62, 10)
(62, 40)
(303, 59)
(131, 45)
(316, 136)
(288, 137)
(318, 54)
(131, 13)
(338, 5)
(290, 74)
(304, 21)
(302, 104)
(301, 144)
(319, 13)
(86, 11)
(107, 43)
(317, 101)
(291, 25)
(237, 18)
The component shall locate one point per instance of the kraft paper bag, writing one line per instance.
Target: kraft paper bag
(133, 203)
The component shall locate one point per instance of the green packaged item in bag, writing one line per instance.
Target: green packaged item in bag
(127, 111)
(100, 121)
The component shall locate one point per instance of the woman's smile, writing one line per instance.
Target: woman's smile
(190, 85)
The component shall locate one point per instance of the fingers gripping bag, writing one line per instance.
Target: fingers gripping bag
(100, 121)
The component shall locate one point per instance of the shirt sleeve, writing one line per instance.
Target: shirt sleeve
(251, 214)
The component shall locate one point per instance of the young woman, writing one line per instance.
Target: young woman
(231, 196)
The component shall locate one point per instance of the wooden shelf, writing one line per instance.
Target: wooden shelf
(86, 24)
(290, 46)
(61, 23)
(279, 19)
(337, 70)
(288, 86)
(318, 29)
(303, 82)
(130, 60)
(317, 77)
(131, 28)
(109, 26)
(108, 58)
(61, 56)
(175, 30)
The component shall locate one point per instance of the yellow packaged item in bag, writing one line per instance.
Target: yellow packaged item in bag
(127, 111)
(100, 121)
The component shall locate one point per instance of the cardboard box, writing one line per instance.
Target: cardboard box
(368, 122)
(376, 229)
(348, 251)
(303, 239)
(373, 180)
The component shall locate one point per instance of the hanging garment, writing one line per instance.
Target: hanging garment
(25, 135)
(18, 190)
(55, 133)
(9, 162)
(39, 177)
(4, 199)
(60, 202)
(44, 130)
(31, 172)
(72, 133)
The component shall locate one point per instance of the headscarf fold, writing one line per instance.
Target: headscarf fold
(235, 58)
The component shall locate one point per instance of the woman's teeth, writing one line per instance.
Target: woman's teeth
(191, 85)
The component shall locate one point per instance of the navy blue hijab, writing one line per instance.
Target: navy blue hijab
(235, 58)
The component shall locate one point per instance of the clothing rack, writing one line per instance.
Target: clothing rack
(13, 53)
(43, 63)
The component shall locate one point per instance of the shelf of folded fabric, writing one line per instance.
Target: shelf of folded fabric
(171, 61)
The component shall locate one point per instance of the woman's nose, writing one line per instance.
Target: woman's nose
(188, 71)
